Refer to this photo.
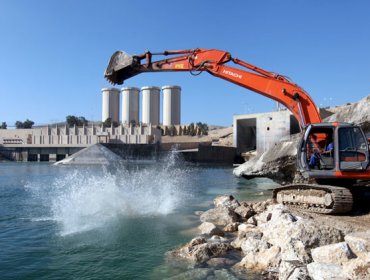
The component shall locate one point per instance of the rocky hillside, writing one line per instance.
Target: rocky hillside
(278, 163)
(358, 113)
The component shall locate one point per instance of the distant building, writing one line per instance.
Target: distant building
(261, 131)
(55, 143)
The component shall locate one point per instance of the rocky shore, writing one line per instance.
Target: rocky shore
(273, 242)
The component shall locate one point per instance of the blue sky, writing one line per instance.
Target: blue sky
(53, 53)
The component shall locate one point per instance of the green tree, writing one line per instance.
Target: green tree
(81, 121)
(26, 124)
(71, 120)
(107, 122)
(76, 121)
(191, 130)
(172, 130)
(18, 124)
(202, 128)
(3, 125)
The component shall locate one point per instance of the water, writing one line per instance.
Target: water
(94, 222)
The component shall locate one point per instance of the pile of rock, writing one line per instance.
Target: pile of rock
(358, 113)
(269, 239)
(277, 163)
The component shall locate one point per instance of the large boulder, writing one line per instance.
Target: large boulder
(261, 206)
(198, 250)
(359, 242)
(277, 163)
(220, 216)
(323, 271)
(290, 270)
(227, 201)
(357, 269)
(261, 260)
(245, 227)
(295, 251)
(245, 212)
(210, 229)
(253, 245)
(231, 227)
(246, 231)
(282, 227)
(337, 253)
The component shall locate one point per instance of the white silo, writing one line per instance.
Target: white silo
(130, 105)
(150, 105)
(110, 104)
(171, 105)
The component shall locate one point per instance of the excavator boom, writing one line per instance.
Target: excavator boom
(123, 66)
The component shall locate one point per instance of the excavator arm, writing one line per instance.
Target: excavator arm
(123, 66)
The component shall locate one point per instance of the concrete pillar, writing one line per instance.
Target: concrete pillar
(150, 105)
(171, 105)
(110, 104)
(130, 105)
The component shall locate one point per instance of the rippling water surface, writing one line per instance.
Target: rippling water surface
(95, 222)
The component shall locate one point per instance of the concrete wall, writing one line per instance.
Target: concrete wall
(262, 131)
(246, 135)
(56, 143)
(79, 136)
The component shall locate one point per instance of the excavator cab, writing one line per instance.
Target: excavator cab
(330, 150)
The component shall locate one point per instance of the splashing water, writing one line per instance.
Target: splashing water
(89, 198)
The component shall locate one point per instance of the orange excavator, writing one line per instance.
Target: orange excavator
(333, 157)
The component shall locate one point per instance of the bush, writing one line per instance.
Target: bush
(76, 121)
(26, 124)
(3, 125)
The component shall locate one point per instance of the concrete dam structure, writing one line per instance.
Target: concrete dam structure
(56, 143)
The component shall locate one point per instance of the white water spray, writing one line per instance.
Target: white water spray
(86, 199)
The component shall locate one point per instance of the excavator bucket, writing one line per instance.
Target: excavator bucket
(121, 67)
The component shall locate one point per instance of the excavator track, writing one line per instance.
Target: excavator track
(315, 198)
